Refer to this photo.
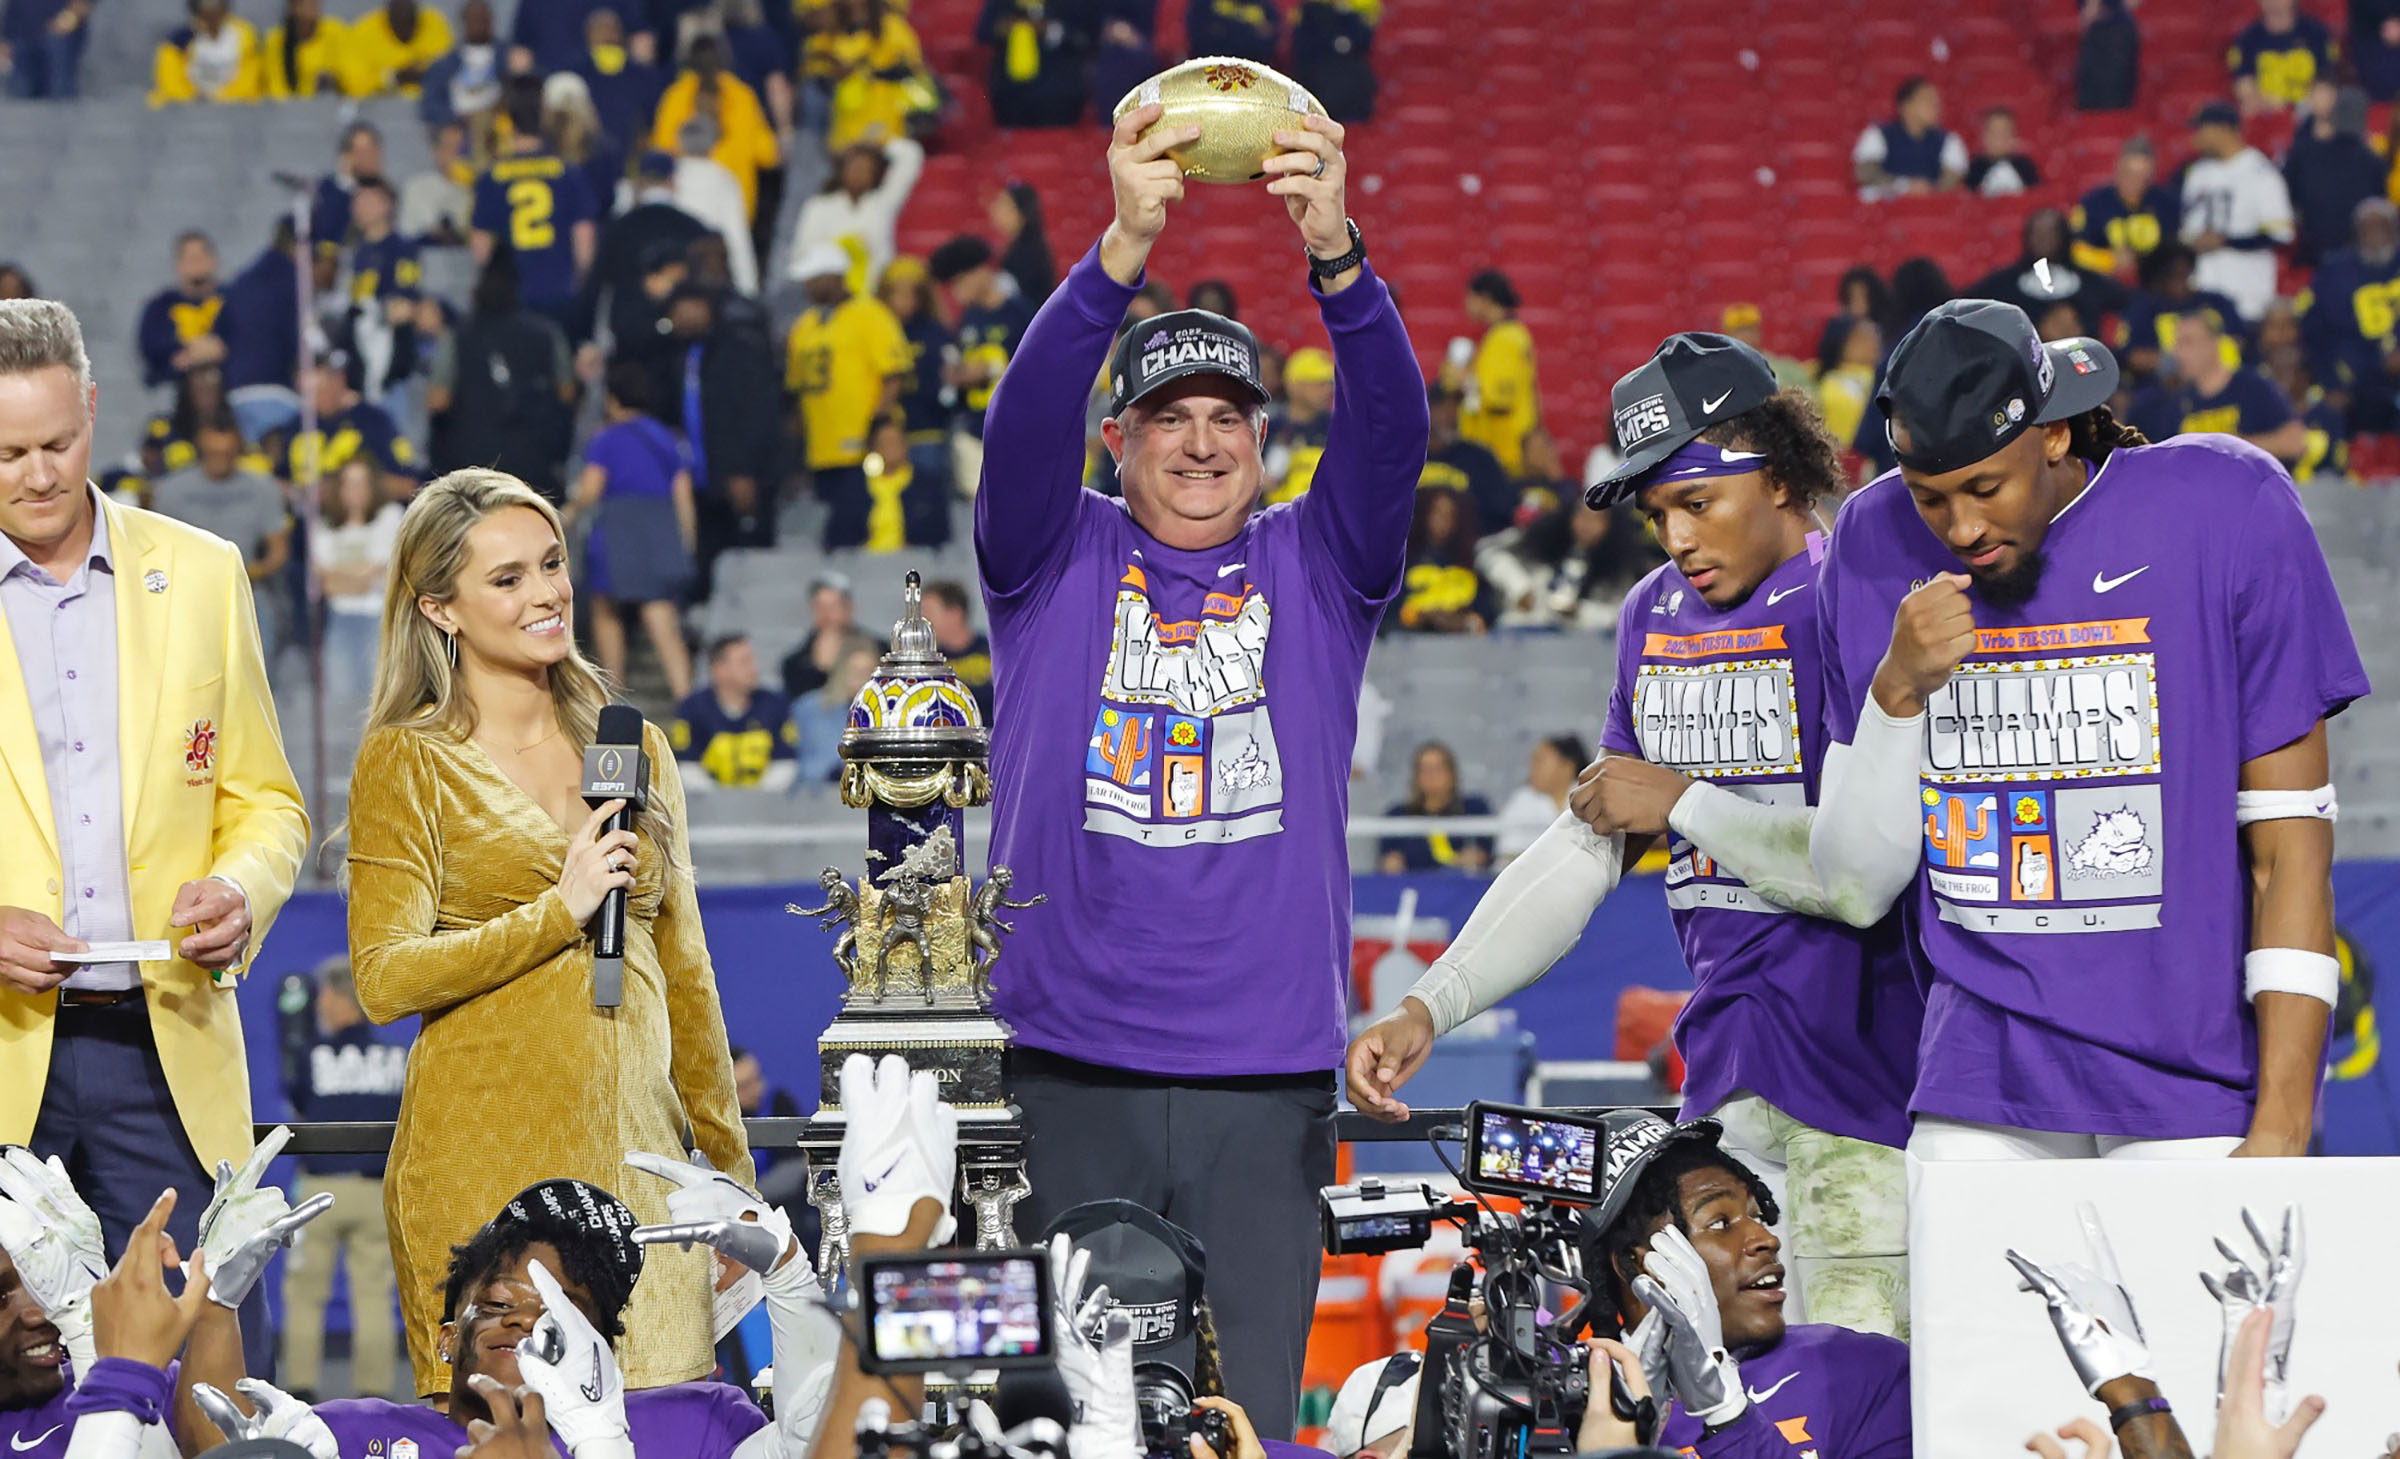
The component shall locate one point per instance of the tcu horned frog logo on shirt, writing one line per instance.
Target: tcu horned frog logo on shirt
(2041, 790)
(1183, 747)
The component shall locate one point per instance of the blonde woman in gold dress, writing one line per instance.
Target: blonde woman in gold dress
(473, 866)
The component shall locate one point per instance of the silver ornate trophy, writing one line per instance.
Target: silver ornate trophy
(919, 939)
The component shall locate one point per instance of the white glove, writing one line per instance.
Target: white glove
(568, 1362)
(714, 1209)
(899, 1146)
(1700, 1370)
(1648, 1340)
(2091, 1309)
(275, 1415)
(54, 1239)
(2273, 1284)
(1095, 1358)
(247, 1223)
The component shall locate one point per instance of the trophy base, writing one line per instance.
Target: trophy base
(964, 1049)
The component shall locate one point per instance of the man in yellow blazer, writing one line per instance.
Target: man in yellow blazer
(144, 796)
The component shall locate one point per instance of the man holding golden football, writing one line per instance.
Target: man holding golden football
(1178, 678)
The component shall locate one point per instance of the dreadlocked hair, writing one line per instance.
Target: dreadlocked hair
(1789, 430)
(2096, 432)
(1658, 1193)
(1208, 1379)
(499, 1243)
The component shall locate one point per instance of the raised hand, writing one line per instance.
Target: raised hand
(246, 1223)
(2244, 1429)
(54, 1239)
(568, 1362)
(899, 1146)
(519, 1428)
(1312, 178)
(1675, 1285)
(2091, 1310)
(133, 1315)
(1095, 1358)
(712, 1208)
(1143, 178)
(2272, 1284)
(274, 1414)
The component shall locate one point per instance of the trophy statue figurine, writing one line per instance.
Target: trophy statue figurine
(918, 938)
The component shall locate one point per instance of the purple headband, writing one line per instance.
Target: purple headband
(1696, 459)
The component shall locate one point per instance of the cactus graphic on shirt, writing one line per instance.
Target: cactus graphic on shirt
(1948, 831)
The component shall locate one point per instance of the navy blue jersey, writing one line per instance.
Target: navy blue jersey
(987, 337)
(921, 403)
(386, 268)
(349, 1076)
(735, 749)
(532, 202)
(2283, 64)
(2103, 222)
(2249, 405)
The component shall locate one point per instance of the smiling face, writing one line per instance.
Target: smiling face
(45, 458)
(514, 603)
(32, 1360)
(1189, 458)
(499, 1314)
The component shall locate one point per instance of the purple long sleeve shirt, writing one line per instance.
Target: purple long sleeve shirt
(1821, 1393)
(1171, 742)
(686, 1420)
(65, 635)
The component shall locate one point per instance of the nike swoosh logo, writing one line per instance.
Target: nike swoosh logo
(20, 1443)
(887, 1174)
(1709, 407)
(1729, 457)
(593, 1389)
(1231, 567)
(2102, 583)
(1782, 593)
(1758, 1397)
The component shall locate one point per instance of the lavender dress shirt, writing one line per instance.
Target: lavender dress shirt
(66, 639)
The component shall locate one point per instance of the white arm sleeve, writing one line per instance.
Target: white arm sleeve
(1866, 840)
(1535, 911)
(1767, 847)
(808, 1337)
(106, 1436)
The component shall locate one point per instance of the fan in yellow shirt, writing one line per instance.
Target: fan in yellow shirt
(1503, 402)
(745, 140)
(847, 363)
(307, 55)
(872, 62)
(392, 45)
(214, 58)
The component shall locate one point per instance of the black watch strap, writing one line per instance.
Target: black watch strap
(1335, 267)
(2124, 1414)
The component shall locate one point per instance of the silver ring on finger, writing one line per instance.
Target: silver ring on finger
(1320, 172)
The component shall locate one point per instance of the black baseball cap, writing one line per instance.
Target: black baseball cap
(1167, 347)
(1696, 380)
(1974, 375)
(2217, 114)
(1630, 1140)
(1155, 1271)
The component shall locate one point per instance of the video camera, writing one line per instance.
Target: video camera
(1519, 1385)
(970, 1316)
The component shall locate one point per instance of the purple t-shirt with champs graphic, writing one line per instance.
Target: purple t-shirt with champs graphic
(1821, 1390)
(2082, 903)
(1171, 742)
(698, 1420)
(1814, 1016)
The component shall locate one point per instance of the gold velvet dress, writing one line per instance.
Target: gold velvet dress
(515, 1077)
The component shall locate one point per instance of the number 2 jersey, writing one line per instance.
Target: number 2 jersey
(2081, 902)
(1814, 1016)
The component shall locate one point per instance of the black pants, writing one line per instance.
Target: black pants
(843, 489)
(1236, 1162)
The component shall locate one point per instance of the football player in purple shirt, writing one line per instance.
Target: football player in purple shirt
(2078, 685)
(1682, 1257)
(1801, 1036)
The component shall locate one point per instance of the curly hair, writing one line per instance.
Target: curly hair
(1658, 1193)
(491, 1250)
(1789, 430)
(2096, 432)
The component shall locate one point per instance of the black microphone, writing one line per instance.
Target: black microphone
(1034, 1410)
(615, 767)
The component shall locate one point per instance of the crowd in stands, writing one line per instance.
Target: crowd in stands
(586, 290)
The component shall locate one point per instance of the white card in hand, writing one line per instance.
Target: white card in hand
(118, 952)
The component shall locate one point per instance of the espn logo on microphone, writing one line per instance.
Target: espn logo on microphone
(606, 771)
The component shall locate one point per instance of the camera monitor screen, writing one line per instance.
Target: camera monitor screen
(1535, 1152)
(956, 1310)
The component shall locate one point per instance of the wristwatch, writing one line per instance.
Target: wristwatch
(1341, 263)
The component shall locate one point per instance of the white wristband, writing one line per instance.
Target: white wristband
(2291, 970)
(2283, 805)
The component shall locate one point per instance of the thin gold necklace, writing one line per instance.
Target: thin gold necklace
(537, 744)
